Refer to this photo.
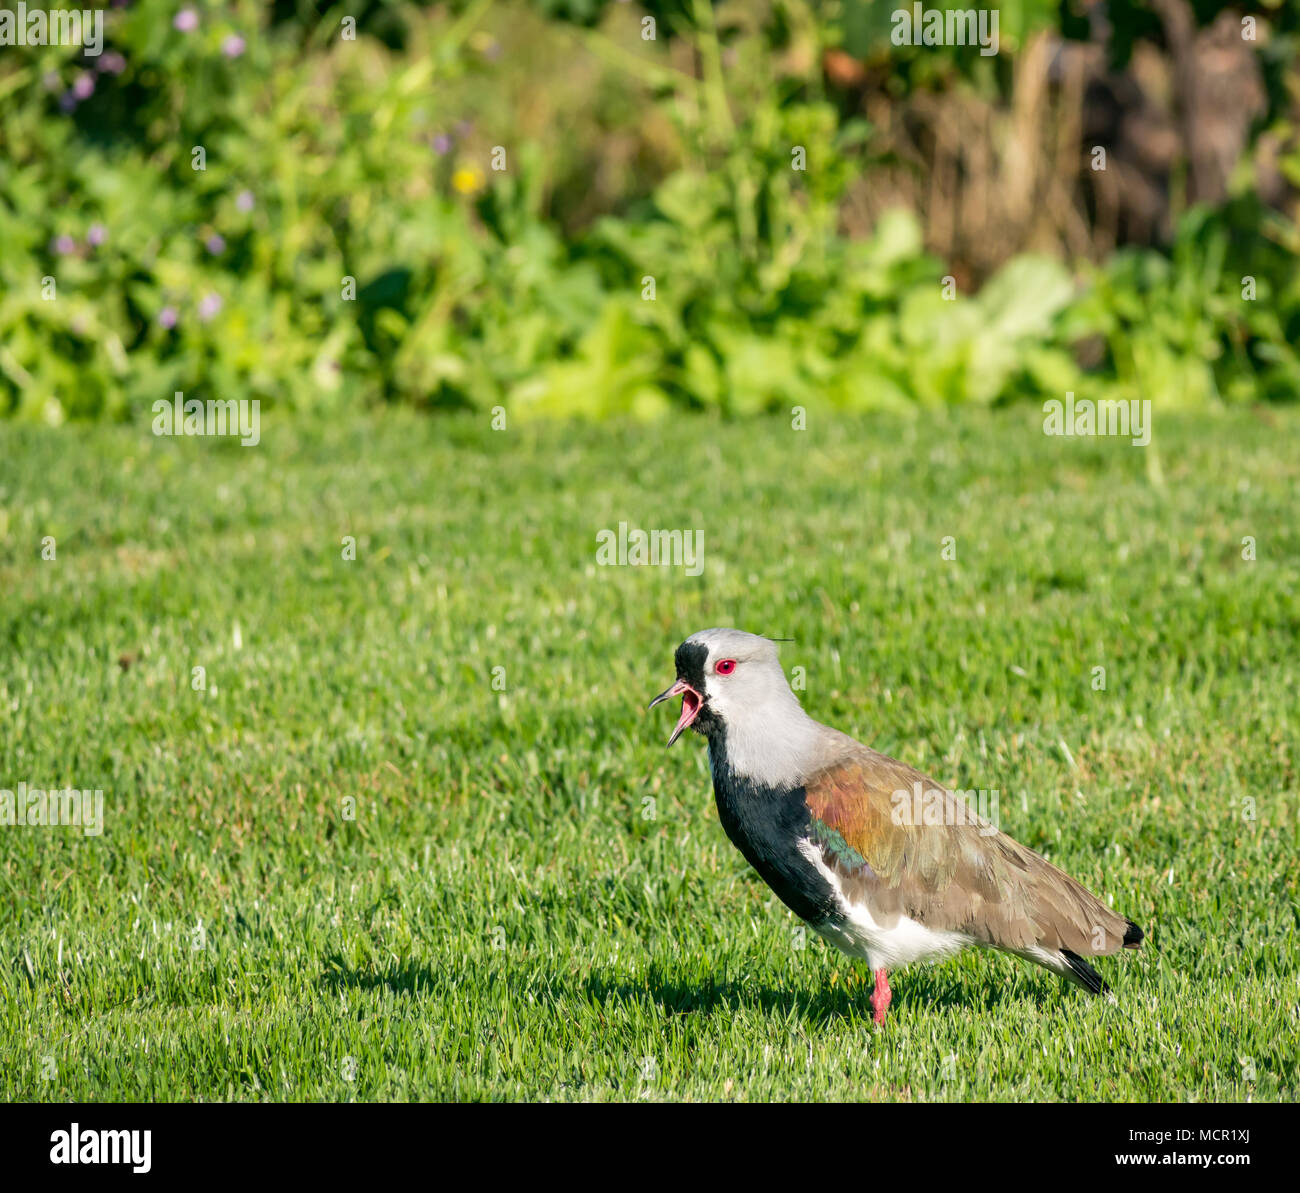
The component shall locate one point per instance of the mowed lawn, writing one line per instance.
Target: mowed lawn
(362, 862)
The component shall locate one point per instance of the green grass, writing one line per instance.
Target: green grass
(502, 919)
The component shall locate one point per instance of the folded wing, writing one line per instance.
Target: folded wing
(920, 851)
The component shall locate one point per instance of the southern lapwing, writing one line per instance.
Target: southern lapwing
(876, 858)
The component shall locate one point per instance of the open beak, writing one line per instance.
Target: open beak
(690, 705)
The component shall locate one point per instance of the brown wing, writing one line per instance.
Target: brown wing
(905, 846)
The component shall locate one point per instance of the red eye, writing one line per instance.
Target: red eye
(725, 666)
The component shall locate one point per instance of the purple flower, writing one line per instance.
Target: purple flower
(233, 46)
(96, 235)
(244, 200)
(111, 63)
(441, 143)
(83, 87)
(215, 244)
(63, 245)
(186, 21)
(67, 102)
(167, 318)
(209, 306)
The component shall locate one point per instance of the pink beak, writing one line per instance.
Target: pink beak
(691, 703)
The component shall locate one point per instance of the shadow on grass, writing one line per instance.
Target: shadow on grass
(406, 977)
(675, 993)
(916, 990)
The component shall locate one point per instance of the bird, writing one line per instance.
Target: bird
(835, 829)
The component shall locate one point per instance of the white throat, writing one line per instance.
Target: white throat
(774, 744)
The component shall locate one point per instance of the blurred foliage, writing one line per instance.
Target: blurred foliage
(237, 199)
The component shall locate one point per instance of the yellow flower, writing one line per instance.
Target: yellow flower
(467, 180)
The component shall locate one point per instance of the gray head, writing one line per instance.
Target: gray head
(734, 692)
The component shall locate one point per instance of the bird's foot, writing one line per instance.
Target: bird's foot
(880, 996)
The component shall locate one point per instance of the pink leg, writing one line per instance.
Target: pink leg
(880, 996)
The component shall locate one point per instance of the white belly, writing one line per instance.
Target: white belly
(902, 943)
(883, 946)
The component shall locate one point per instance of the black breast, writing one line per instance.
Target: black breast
(767, 824)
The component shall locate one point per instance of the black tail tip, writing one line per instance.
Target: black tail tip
(1084, 973)
(1134, 937)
